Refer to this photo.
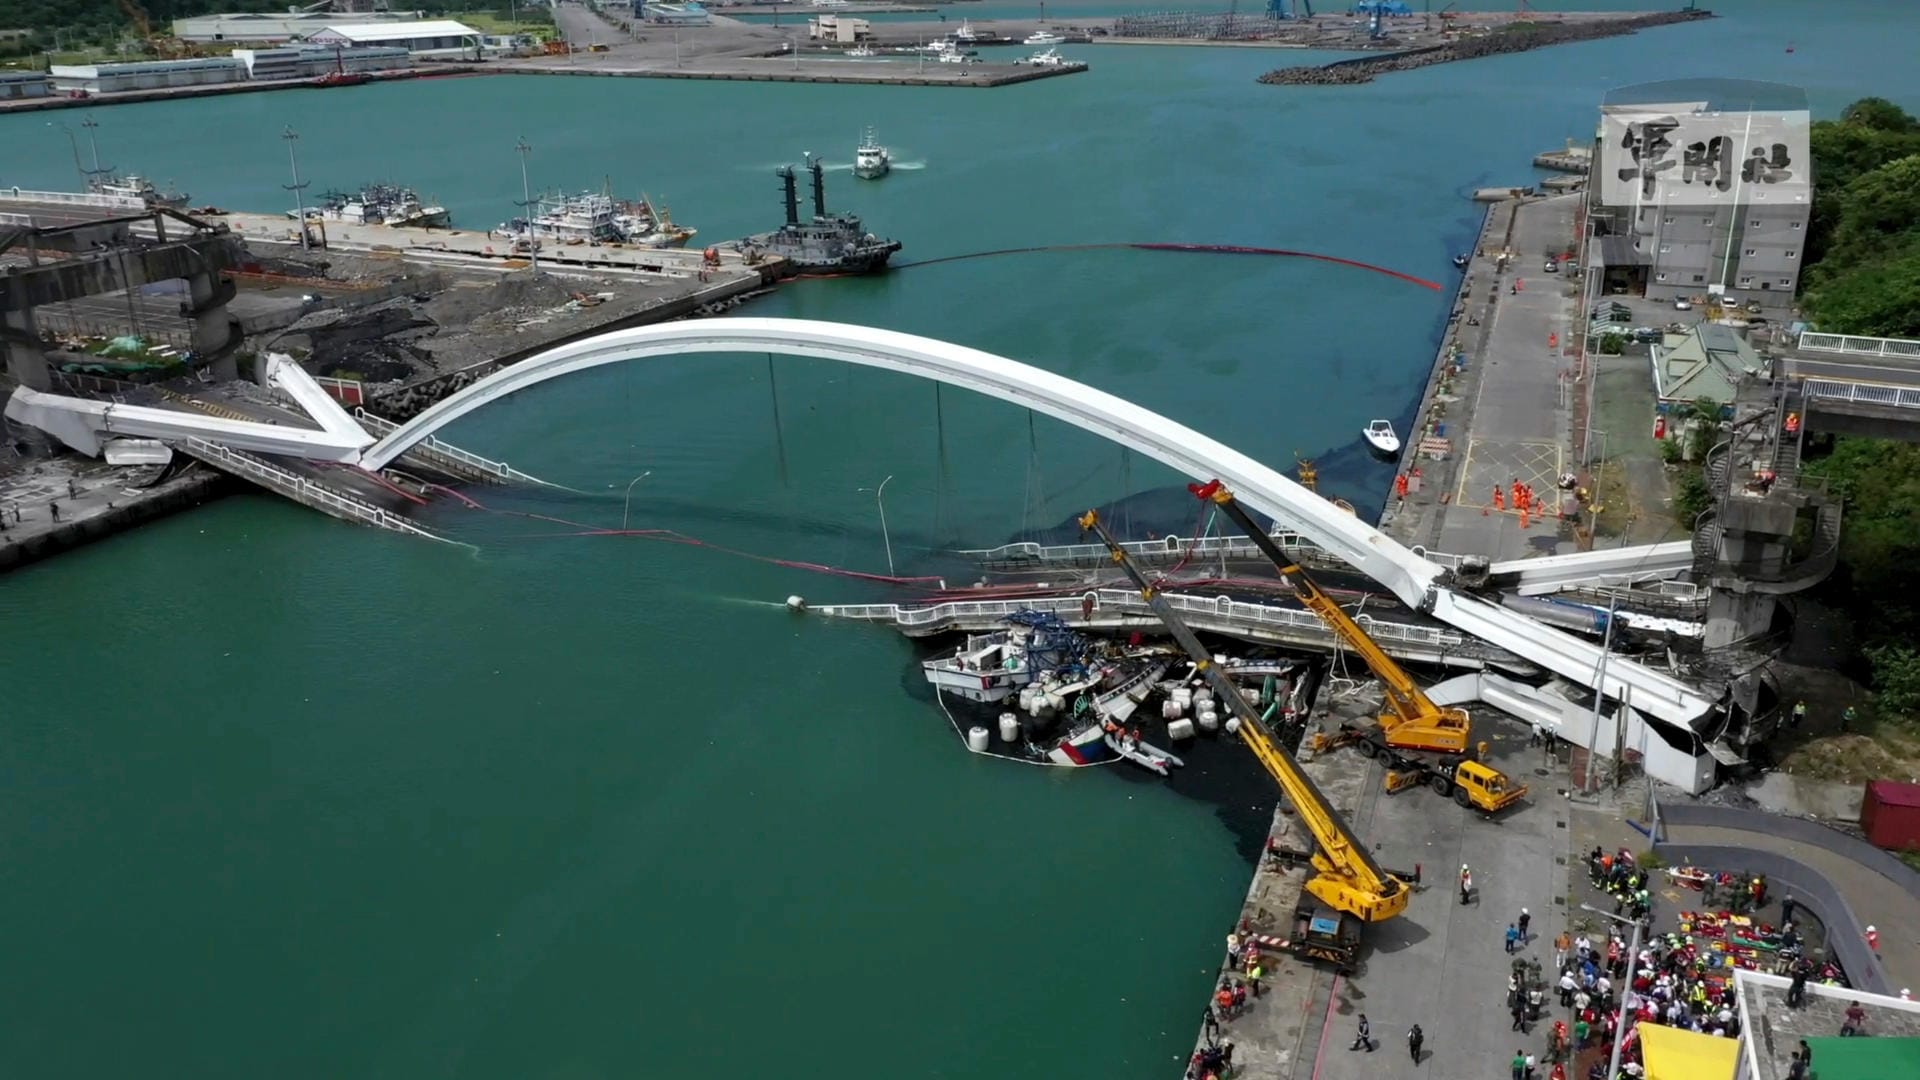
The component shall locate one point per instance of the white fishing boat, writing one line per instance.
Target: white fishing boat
(1045, 37)
(1043, 58)
(860, 52)
(965, 35)
(1380, 436)
(137, 187)
(871, 160)
(951, 57)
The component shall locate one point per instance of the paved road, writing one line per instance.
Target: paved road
(1516, 424)
(1444, 965)
(1884, 372)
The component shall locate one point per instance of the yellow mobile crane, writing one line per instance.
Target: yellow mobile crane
(1422, 742)
(1346, 879)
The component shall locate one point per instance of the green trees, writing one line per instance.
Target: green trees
(1863, 273)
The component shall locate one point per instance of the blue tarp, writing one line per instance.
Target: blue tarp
(1384, 7)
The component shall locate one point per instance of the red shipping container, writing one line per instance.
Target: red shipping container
(1890, 814)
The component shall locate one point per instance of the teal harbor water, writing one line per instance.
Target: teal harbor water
(284, 797)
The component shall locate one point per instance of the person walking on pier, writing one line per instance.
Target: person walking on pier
(1414, 1038)
(1209, 1025)
(1466, 883)
(1525, 919)
(1363, 1036)
(1513, 938)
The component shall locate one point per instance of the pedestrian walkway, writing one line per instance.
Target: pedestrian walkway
(1875, 900)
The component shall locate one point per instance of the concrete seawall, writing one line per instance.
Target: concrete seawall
(191, 489)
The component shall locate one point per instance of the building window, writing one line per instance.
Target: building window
(1753, 223)
(1666, 249)
(1751, 252)
(1668, 220)
(1706, 221)
(1661, 276)
(1746, 282)
(1698, 278)
(1796, 224)
(1786, 283)
(1790, 253)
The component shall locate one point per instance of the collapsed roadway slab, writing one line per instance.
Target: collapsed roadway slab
(1418, 582)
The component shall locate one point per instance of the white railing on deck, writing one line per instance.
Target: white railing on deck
(300, 488)
(1239, 612)
(69, 198)
(1899, 397)
(1029, 552)
(1892, 348)
(380, 426)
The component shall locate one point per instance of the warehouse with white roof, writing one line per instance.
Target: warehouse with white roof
(433, 37)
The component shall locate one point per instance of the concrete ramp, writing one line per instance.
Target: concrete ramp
(85, 426)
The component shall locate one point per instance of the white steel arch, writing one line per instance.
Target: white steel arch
(1416, 581)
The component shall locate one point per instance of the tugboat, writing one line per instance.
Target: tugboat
(830, 243)
(137, 187)
(871, 160)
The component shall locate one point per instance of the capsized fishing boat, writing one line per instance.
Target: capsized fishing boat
(1381, 437)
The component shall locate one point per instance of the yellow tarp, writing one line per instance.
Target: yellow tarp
(1673, 1054)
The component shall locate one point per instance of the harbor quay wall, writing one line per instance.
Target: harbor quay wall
(18, 548)
(169, 93)
(777, 73)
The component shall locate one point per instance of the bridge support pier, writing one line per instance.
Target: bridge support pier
(216, 334)
(26, 361)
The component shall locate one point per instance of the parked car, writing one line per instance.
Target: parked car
(1551, 267)
(1682, 305)
(1646, 335)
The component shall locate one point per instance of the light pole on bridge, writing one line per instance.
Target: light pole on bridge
(627, 505)
(880, 500)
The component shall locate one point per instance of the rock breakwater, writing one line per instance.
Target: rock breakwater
(1512, 38)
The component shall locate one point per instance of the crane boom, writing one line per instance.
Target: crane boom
(1347, 878)
(1411, 721)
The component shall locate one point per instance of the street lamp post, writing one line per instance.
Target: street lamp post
(526, 206)
(1620, 1022)
(73, 141)
(628, 504)
(299, 201)
(879, 498)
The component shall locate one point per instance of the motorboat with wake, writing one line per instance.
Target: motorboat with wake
(871, 161)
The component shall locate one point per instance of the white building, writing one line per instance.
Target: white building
(146, 74)
(687, 14)
(311, 61)
(240, 27)
(23, 84)
(844, 29)
(433, 37)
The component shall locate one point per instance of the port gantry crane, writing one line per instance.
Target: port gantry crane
(1421, 741)
(1346, 879)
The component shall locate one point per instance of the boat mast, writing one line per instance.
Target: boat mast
(792, 192)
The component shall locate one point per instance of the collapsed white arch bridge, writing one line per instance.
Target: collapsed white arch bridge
(1681, 714)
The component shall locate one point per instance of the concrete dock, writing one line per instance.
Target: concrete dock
(1440, 965)
(1506, 411)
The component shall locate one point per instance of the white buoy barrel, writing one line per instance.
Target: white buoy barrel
(1180, 729)
(1209, 720)
(1233, 725)
(1009, 727)
(795, 603)
(977, 739)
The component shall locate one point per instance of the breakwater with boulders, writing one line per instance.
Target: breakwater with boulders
(1513, 38)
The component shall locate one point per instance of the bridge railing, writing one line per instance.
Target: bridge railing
(1130, 603)
(1852, 345)
(70, 198)
(1899, 397)
(299, 488)
(429, 447)
(1028, 553)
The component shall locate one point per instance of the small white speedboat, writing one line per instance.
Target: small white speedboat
(1044, 37)
(1380, 436)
